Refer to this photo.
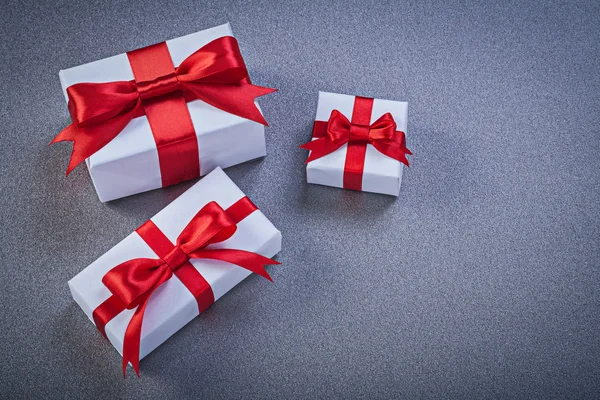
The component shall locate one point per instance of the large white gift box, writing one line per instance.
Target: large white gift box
(172, 305)
(381, 173)
(129, 163)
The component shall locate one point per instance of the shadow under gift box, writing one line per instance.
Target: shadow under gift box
(172, 305)
(129, 163)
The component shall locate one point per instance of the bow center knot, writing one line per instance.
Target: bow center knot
(359, 133)
(176, 258)
(158, 87)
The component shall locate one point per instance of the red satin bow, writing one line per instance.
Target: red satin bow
(338, 131)
(215, 74)
(133, 282)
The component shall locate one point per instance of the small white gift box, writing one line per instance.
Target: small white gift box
(380, 172)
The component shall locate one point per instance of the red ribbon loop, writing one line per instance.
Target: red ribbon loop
(338, 130)
(133, 282)
(215, 74)
(94, 103)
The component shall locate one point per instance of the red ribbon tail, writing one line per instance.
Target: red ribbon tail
(131, 343)
(251, 261)
(258, 92)
(68, 135)
(133, 333)
(263, 90)
(320, 148)
(234, 99)
(132, 340)
(393, 150)
(89, 139)
(404, 160)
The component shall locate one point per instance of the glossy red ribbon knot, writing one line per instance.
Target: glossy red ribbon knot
(328, 136)
(133, 282)
(215, 74)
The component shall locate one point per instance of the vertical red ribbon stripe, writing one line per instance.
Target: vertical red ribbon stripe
(167, 113)
(357, 150)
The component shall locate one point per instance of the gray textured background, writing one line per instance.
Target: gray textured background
(481, 280)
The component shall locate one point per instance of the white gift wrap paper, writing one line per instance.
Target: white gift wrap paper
(381, 174)
(172, 306)
(129, 163)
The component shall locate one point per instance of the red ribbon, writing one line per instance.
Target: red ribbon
(215, 74)
(133, 282)
(337, 131)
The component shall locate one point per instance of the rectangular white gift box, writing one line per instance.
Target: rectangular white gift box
(129, 163)
(381, 174)
(172, 305)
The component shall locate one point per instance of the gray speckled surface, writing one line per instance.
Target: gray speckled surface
(481, 280)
